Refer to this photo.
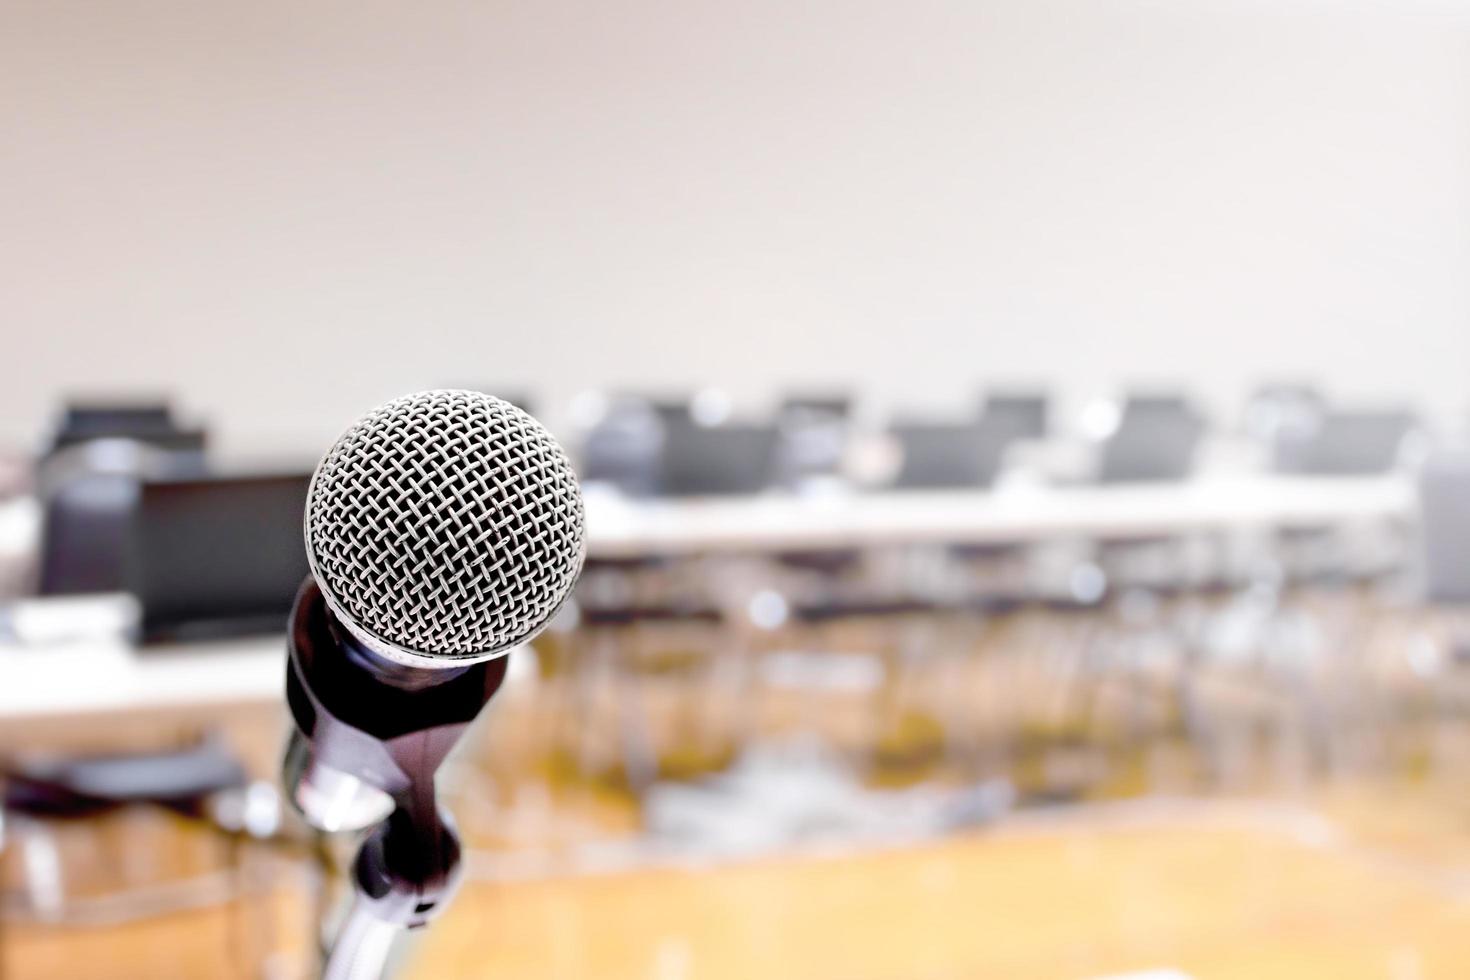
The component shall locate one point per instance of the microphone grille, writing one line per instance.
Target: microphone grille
(446, 524)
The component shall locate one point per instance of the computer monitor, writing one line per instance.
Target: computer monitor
(941, 455)
(217, 556)
(1156, 440)
(717, 460)
(1353, 443)
(1025, 414)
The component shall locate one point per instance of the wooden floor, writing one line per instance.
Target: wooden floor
(1219, 891)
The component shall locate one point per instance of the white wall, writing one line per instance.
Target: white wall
(287, 211)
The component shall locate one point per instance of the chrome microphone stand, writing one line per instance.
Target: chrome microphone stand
(369, 737)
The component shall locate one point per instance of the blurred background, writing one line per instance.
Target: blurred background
(1024, 443)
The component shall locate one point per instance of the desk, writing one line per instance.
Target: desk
(619, 528)
(46, 690)
(627, 528)
(97, 679)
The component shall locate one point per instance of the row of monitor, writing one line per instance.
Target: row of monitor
(648, 448)
(653, 445)
(208, 554)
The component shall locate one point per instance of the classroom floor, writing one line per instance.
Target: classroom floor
(1217, 890)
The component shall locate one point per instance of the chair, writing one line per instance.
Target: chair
(814, 432)
(85, 527)
(205, 782)
(623, 448)
(87, 491)
(1444, 534)
(149, 423)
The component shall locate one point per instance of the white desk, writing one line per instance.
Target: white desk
(60, 684)
(70, 681)
(623, 528)
(618, 528)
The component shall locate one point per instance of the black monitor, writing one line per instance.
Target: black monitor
(1360, 443)
(219, 556)
(1024, 414)
(1157, 439)
(717, 460)
(940, 455)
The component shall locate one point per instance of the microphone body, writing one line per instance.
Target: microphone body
(443, 530)
(370, 737)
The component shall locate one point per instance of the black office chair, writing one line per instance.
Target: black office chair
(100, 418)
(814, 432)
(84, 535)
(144, 422)
(86, 480)
(1444, 533)
(831, 406)
(624, 448)
(205, 782)
(80, 786)
(87, 492)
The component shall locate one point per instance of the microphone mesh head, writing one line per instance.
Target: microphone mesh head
(446, 523)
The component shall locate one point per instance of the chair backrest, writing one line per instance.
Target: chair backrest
(1156, 440)
(84, 534)
(1444, 501)
(89, 419)
(146, 422)
(834, 406)
(624, 449)
(814, 432)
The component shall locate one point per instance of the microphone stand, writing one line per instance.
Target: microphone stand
(369, 737)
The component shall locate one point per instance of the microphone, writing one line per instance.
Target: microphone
(443, 529)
